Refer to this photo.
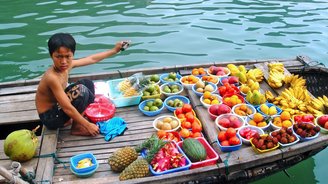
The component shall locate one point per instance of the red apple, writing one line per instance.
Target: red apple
(308, 118)
(220, 68)
(214, 109)
(326, 125)
(233, 80)
(298, 118)
(235, 123)
(220, 73)
(224, 122)
(322, 120)
(223, 109)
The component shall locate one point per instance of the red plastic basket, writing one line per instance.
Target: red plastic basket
(100, 111)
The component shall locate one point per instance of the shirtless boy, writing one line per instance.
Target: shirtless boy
(59, 105)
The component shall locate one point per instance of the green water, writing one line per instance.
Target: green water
(167, 33)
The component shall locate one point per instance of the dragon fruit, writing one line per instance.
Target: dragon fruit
(167, 158)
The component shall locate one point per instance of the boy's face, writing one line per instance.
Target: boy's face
(62, 58)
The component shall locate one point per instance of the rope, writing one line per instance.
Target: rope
(53, 155)
(226, 165)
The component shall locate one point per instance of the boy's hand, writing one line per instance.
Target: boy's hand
(93, 129)
(122, 45)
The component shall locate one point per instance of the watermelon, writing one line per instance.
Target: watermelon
(194, 150)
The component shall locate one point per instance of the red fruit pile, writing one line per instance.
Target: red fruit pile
(230, 80)
(228, 89)
(305, 129)
(284, 135)
(309, 118)
(167, 158)
(248, 133)
(230, 121)
(190, 124)
(264, 142)
(228, 138)
(218, 70)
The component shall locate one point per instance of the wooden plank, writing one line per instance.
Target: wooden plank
(18, 90)
(17, 98)
(19, 117)
(44, 171)
(17, 106)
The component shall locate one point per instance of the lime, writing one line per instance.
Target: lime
(150, 103)
(146, 108)
(153, 108)
(154, 78)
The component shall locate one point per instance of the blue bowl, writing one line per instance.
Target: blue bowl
(180, 97)
(230, 148)
(186, 167)
(269, 105)
(163, 76)
(83, 171)
(215, 87)
(150, 113)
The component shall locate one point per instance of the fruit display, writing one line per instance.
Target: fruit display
(282, 120)
(276, 74)
(194, 150)
(285, 136)
(248, 132)
(230, 79)
(198, 71)
(210, 78)
(228, 137)
(244, 75)
(264, 143)
(255, 97)
(167, 123)
(259, 121)
(307, 118)
(21, 145)
(228, 89)
(322, 121)
(153, 79)
(189, 80)
(170, 77)
(244, 110)
(200, 87)
(122, 158)
(168, 136)
(151, 91)
(306, 131)
(232, 100)
(268, 109)
(217, 110)
(226, 121)
(218, 71)
(171, 88)
(167, 158)
(209, 99)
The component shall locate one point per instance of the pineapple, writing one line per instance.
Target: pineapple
(121, 158)
(137, 169)
(140, 167)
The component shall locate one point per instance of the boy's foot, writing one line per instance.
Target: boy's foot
(69, 122)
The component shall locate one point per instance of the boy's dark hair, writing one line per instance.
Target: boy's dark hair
(61, 40)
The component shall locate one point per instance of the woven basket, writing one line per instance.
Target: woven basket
(316, 79)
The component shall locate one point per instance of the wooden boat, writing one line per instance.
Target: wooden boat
(56, 147)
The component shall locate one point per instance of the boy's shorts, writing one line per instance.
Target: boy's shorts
(81, 95)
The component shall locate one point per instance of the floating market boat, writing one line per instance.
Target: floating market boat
(51, 164)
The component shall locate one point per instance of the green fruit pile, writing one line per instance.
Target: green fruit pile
(153, 79)
(171, 77)
(153, 105)
(175, 103)
(151, 90)
(171, 88)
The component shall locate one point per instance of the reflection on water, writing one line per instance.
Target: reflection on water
(162, 32)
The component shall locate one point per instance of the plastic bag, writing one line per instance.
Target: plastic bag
(133, 85)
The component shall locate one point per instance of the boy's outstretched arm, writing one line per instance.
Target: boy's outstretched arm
(94, 58)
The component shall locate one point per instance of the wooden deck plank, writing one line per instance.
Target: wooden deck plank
(18, 90)
(16, 98)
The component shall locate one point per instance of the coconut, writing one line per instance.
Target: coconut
(21, 145)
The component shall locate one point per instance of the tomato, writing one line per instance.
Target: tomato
(298, 118)
(178, 111)
(186, 108)
(222, 90)
(181, 116)
(222, 136)
(225, 143)
(190, 117)
(196, 134)
(231, 132)
(186, 124)
(184, 133)
(234, 140)
(196, 127)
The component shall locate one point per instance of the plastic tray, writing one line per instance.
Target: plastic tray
(116, 96)
(83, 171)
(186, 167)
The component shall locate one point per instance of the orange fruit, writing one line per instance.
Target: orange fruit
(215, 102)
(252, 122)
(207, 101)
(207, 95)
(258, 117)
(287, 123)
(262, 124)
(285, 115)
(184, 133)
(161, 134)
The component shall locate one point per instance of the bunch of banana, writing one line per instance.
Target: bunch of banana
(253, 85)
(295, 80)
(276, 74)
(269, 96)
(238, 71)
(255, 74)
(318, 106)
(293, 100)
